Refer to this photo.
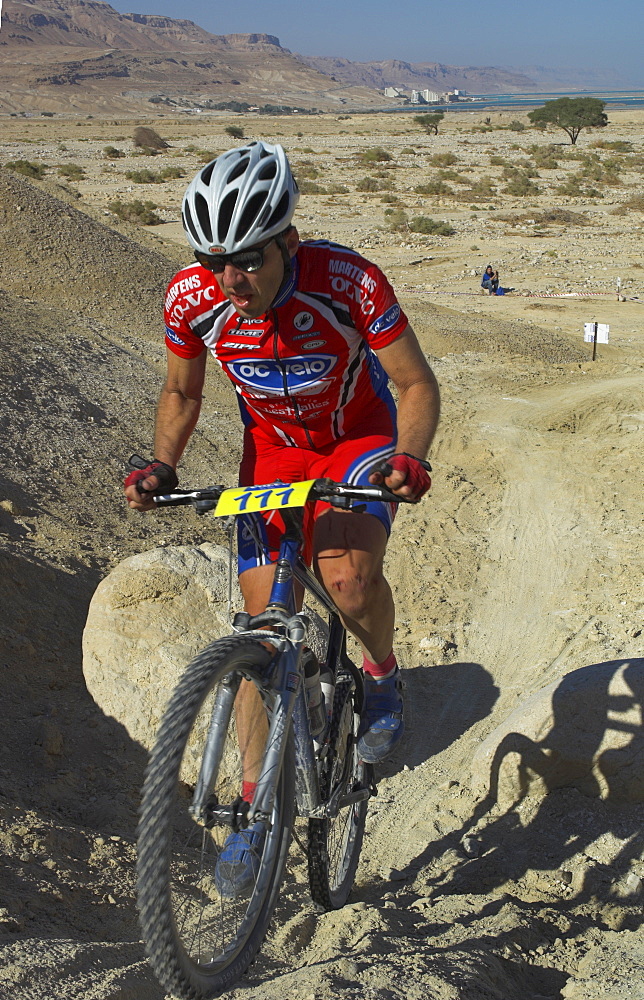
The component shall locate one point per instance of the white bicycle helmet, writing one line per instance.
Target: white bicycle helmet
(243, 197)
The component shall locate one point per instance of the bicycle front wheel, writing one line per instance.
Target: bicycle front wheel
(335, 842)
(202, 930)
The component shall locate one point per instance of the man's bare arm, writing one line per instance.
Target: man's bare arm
(418, 395)
(179, 406)
(177, 415)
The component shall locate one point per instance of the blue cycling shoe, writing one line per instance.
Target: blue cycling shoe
(238, 864)
(381, 723)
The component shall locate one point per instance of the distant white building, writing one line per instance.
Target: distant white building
(431, 97)
(394, 92)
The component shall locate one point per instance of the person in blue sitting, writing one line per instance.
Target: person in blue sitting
(490, 280)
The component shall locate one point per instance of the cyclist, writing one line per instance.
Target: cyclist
(308, 333)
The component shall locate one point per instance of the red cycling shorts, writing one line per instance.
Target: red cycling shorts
(348, 460)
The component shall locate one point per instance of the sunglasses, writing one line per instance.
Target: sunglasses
(244, 260)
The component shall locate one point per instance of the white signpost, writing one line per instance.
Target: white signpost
(596, 333)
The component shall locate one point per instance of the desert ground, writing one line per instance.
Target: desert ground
(504, 856)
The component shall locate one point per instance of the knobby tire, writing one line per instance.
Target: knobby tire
(179, 903)
(334, 843)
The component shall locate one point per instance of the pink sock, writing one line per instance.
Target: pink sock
(380, 671)
(248, 790)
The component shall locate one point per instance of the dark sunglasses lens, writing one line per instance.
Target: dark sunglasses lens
(250, 260)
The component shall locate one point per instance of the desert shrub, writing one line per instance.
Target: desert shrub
(369, 184)
(205, 155)
(430, 227)
(516, 126)
(544, 157)
(573, 187)
(397, 220)
(636, 202)
(112, 153)
(146, 138)
(443, 159)
(306, 170)
(511, 172)
(434, 187)
(482, 190)
(574, 153)
(46, 114)
(310, 187)
(452, 175)
(521, 186)
(388, 198)
(26, 167)
(234, 131)
(409, 151)
(375, 154)
(616, 145)
(141, 212)
(497, 161)
(337, 189)
(549, 217)
(146, 176)
(72, 171)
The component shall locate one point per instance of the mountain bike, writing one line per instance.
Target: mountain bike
(200, 934)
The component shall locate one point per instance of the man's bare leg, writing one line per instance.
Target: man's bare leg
(250, 714)
(348, 555)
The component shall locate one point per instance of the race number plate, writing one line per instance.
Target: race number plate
(249, 499)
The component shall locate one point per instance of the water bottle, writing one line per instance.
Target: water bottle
(314, 696)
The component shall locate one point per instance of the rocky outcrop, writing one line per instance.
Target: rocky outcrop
(147, 620)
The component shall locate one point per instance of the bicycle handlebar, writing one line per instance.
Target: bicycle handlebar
(345, 495)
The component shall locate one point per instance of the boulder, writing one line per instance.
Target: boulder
(147, 619)
(584, 731)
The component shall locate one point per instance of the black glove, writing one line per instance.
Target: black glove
(142, 469)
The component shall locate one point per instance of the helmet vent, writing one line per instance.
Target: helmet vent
(268, 172)
(280, 211)
(226, 210)
(238, 170)
(206, 173)
(249, 215)
(203, 216)
(189, 224)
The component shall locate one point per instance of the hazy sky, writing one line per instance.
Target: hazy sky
(554, 33)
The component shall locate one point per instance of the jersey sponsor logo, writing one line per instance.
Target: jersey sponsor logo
(179, 287)
(241, 347)
(171, 335)
(386, 321)
(269, 375)
(357, 292)
(354, 273)
(305, 336)
(249, 333)
(253, 322)
(192, 300)
(303, 321)
(310, 345)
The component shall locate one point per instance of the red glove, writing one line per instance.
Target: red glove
(414, 470)
(165, 474)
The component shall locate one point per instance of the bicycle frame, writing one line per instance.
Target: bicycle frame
(286, 629)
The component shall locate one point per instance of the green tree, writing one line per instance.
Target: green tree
(430, 122)
(572, 114)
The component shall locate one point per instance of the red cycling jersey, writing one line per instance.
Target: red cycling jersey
(305, 372)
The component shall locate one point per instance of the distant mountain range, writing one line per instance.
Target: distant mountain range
(82, 55)
(422, 76)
